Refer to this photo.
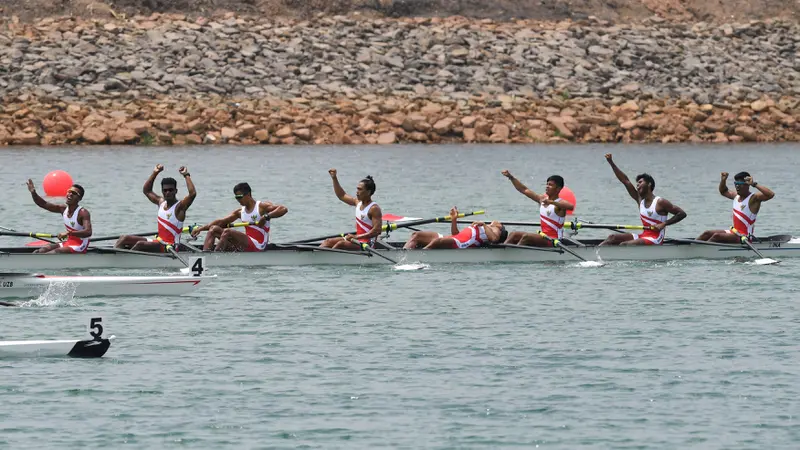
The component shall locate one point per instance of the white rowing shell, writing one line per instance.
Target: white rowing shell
(92, 348)
(32, 285)
(95, 347)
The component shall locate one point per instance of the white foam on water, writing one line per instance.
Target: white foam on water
(794, 240)
(59, 293)
(591, 264)
(411, 266)
(762, 262)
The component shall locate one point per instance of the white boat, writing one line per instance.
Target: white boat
(89, 348)
(21, 285)
(95, 347)
(781, 246)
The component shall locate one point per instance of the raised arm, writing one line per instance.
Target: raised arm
(677, 212)
(454, 221)
(623, 179)
(147, 190)
(376, 215)
(524, 190)
(42, 203)
(723, 186)
(340, 193)
(189, 199)
(764, 193)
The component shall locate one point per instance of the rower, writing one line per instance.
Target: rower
(653, 211)
(257, 214)
(552, 212)
(369, 218)
(746, 206)
(171, 213)
(77, 220)
(475, 235)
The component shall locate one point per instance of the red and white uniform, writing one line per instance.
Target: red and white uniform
(744, 220)
(651, 218)
(363, 222)
(169, 227)
(259, 236)
(471, 236)
(76, 244)
(552, 224)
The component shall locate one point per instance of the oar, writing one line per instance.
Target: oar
(557, 243)
(763, 259)
(7, 304)
(393, 226)
(186, 229)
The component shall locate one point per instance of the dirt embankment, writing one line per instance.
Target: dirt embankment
(614, 10)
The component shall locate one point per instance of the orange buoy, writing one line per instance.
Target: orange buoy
(57, 183)
(568, 195)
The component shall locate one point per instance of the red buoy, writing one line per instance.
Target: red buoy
(57, 183)
(567, 194)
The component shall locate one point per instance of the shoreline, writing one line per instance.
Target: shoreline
(166, 80)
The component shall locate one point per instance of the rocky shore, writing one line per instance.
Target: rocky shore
(168, 79)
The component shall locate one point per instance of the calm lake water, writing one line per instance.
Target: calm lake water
(690, 354)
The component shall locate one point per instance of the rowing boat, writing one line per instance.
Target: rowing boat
(16, 285)
(90, 348)
(26, 285)
(95, 347)
(780, 246)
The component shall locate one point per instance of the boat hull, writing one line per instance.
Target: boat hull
(94, 348)
(306, 256)
(27, 286)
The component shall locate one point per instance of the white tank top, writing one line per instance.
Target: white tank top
(551, 223)
(651, 217)
(72, 224)
(363, 222)
(744, 220)
(169, 227)
(259, 235)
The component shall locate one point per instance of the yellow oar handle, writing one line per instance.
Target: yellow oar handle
(393, 226)
(43, 235)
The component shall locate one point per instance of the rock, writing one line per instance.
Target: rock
(432, 109)
(193, 139)
(124, 136)
(303, 133)
(561, 127)
(628, 124)
(418, 136)
(261, 136)
(749, 134)
(246, 130)
(228, 133)
(25, 139)
(387, 138)
(444, 126)
(500, 133)
(469, 134)
(630, 105)
(284, 132)
(759, 106)
(94, 136)
(468, 121)
(138, 126)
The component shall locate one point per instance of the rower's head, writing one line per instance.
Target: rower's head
(501, 230)
(645, 184)
(365, 189)
(75, 194)
(554, 185)
(169, 189)
(742, 188)
(242, 193)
